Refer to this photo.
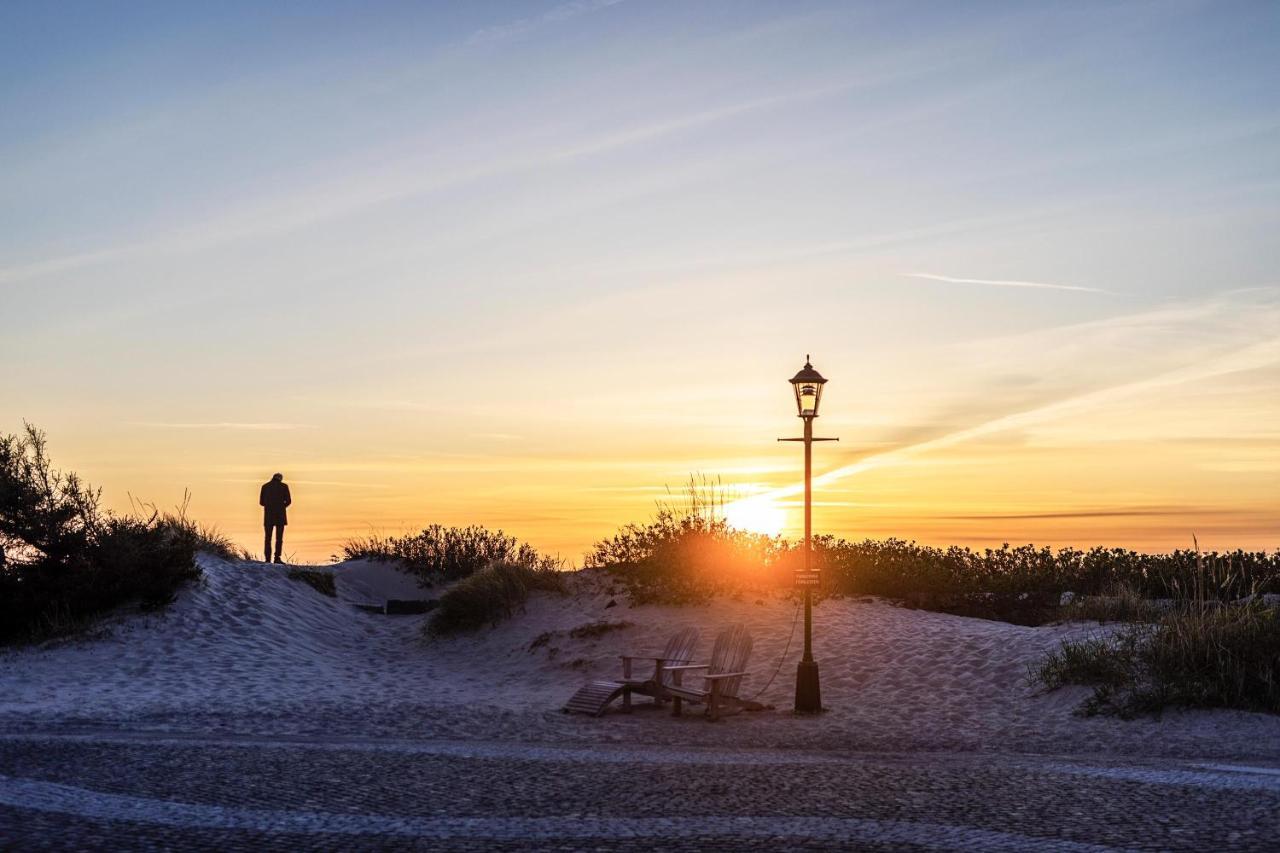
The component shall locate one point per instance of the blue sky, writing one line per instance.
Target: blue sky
(336, 235)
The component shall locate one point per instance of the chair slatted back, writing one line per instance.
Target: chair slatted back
(730, 654)
(680, 647)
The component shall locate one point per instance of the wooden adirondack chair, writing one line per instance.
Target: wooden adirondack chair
(679, 650)
(721, 680)
(594, 696)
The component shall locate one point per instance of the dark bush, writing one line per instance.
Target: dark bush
(441, 553)
(63, 560)
(688, 554)
(1024, 584)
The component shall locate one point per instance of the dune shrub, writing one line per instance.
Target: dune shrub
(63, 560)
(1198, 655)
(490, 595)
(440, 554)
(1025, 583)
(687, 553)
(691, 561)
(893, 567)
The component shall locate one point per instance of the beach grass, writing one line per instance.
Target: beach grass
(1199, 649)
(486, 597)
(1191, 657)
(321, 582)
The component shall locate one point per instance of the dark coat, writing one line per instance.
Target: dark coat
(273, 499)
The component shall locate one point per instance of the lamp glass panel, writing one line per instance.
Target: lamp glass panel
(807, 394)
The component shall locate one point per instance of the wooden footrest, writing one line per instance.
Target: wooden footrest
(594, 697)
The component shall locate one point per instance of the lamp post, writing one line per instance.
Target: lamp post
(807, 385)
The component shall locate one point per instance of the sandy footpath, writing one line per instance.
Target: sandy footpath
(250, 646)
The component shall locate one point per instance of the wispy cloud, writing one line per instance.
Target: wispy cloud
(1000, 282)
(345, 195)
(1124, 512)
(562, 12)
(226, 425)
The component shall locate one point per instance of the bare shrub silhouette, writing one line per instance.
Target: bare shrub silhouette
(64, 560)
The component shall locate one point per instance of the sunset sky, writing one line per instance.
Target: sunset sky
(528, 264)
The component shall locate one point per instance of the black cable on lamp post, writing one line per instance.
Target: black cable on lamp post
(807, 385)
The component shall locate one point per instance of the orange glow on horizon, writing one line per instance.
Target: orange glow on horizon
(1144, 458)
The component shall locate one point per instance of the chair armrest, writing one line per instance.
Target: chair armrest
(720, 675)
(652, 658)
(686, 666)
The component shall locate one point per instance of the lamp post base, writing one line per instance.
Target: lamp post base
(808, 689)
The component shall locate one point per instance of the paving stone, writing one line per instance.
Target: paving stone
(124, 790)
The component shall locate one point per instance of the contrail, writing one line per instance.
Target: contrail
(999, 282)
(269, 427)
(1263, 354)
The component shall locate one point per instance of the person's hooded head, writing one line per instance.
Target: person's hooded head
(277, 478)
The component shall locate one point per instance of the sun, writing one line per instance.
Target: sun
(756, 515)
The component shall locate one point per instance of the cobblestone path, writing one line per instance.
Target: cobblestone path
(122, 791)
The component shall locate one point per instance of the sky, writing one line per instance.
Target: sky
(531, 265)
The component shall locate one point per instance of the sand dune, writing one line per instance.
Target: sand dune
(247, 640)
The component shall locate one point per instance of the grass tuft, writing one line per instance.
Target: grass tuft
(321, 582)
(593, 630)
(1122, 603)
(490, 595)
(178, 525)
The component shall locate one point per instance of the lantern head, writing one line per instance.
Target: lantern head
(808, 387)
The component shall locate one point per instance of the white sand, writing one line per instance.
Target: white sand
(247, 641)
(373, 582)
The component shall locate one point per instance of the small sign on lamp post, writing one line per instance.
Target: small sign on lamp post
(807, 579)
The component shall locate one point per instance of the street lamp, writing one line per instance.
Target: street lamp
(807, 385)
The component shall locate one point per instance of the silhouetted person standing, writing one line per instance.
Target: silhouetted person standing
(274, 498)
